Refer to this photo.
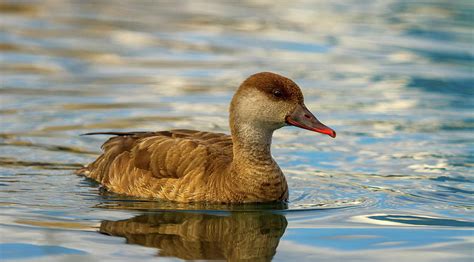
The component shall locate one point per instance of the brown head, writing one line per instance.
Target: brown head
(271, 101)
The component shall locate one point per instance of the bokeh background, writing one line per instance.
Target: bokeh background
(394, 78)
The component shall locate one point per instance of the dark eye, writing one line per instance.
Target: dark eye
(277, 93)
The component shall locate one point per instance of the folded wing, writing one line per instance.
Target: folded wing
(157, 163)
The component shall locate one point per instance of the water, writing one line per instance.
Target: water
(393, 78)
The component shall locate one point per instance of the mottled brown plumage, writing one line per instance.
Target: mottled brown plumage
(192, 166)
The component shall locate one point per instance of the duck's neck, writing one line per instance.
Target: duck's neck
(256, 177)
(252, 146)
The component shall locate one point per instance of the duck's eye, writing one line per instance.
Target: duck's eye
(277, 93)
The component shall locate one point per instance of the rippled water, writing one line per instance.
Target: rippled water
(393, 78)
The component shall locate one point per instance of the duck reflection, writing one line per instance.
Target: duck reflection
(239, 236)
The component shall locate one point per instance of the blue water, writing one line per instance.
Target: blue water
(393, 78)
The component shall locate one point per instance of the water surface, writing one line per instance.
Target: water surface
(393, 78)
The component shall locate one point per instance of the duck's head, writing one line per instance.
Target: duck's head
(271, 101)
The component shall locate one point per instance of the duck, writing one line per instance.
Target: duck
(187, 166)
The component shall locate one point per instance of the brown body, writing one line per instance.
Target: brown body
(193, 166)
(183, 166)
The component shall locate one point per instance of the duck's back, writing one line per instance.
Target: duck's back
(170, 165)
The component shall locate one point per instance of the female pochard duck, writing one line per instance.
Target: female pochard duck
(193, 166)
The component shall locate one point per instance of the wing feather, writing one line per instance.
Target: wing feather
(147, 161)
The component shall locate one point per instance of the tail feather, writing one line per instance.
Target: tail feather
(83, 171)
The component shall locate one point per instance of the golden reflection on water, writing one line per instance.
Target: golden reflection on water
(24, 8)
(56, 224)
(239, 236)
(117, 202)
